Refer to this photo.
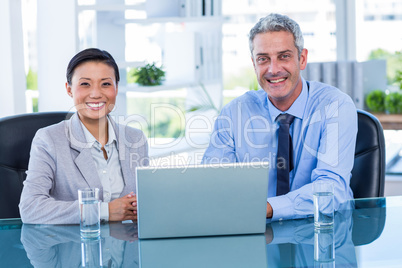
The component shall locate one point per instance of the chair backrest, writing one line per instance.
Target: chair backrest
(368, 174)
(16, 134)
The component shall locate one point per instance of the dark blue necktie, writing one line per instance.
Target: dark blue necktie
(284, 158)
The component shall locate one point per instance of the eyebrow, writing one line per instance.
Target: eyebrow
(285, 51)
(280, 52)
(86, 78)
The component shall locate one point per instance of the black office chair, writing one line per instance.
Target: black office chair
(16, 134)
(368, 174)
(369, 218)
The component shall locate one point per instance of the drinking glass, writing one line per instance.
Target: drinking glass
(88, 199)
(323, 193)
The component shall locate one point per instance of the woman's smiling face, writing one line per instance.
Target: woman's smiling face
(94, 89)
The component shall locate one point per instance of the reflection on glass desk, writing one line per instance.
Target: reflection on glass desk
(366, 233)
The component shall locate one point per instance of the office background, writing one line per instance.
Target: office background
(203, 48)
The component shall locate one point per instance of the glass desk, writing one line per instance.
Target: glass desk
(366, 233)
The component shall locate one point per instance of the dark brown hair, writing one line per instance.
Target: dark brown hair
(91, 54)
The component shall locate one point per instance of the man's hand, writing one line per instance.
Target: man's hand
(269, 211)
(269, 234)
(123, 208)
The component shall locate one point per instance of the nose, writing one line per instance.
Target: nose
(95, 92)
(273, 67)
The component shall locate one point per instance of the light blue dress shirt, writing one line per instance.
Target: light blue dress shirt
(323, 134)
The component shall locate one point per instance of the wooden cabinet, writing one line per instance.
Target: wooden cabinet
(390, 121)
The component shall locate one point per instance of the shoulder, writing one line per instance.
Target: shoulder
(252, 98)
(131, 130)
(324, 93)
(56, 130)
(128, 133)
(50, 141)
(326, 101)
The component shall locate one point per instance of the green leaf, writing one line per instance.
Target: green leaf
(149, 75)
(393, 102)
(375, 100)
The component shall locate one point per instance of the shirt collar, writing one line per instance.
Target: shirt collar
(296, 109)
(91, 139)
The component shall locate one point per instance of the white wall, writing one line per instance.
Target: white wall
(56, 46)
(12, 75)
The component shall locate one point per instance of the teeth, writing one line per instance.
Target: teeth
(277, 81)
(96, 105)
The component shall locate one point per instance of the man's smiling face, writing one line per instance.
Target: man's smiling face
(277, 66)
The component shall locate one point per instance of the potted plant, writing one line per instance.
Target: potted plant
(149, 75)
(398, 79)
(393, 102)
(375, 101)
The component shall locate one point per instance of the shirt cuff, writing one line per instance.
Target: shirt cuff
(281, 207)
(104, 211)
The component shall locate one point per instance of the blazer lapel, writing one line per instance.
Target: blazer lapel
(87, 167)
(82, 152)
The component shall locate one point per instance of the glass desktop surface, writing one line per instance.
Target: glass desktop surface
(366, 233)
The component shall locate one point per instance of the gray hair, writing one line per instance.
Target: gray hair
(276, 23)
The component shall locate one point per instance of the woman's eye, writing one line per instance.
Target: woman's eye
(107, 84)
(84, 84)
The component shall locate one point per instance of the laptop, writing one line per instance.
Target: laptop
(202, 200)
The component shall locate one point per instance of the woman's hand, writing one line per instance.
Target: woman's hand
(123, 208)
(123, 231)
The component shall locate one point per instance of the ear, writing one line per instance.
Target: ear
(303, 59)
(68, 88)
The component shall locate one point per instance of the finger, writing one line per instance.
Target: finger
(130, 195)
(131, 208)
(129, 199)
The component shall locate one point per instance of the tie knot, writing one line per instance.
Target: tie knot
(285, 119)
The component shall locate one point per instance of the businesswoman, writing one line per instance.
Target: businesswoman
(88, 150)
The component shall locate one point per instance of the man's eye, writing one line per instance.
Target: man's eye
(285, 56)
(261, 59)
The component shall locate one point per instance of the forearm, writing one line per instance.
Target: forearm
(42, 209)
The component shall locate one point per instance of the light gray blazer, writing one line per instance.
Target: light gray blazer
(61, 162)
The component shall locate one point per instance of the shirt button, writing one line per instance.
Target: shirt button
(104, 171)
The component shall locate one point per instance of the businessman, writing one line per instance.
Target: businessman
(306, 130)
